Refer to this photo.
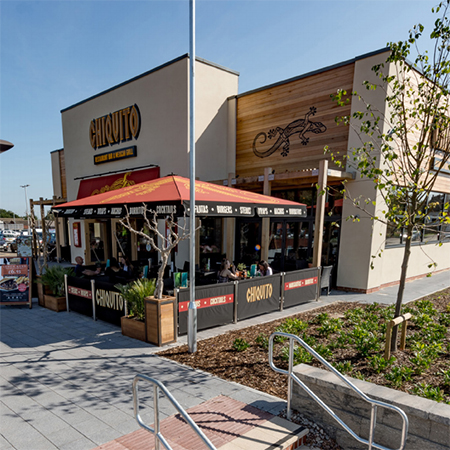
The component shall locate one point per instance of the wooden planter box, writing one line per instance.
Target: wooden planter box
(55, 303)
(43, 290)
(161, 320)
(133, 328)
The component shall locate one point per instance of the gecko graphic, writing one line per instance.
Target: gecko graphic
(300, 126)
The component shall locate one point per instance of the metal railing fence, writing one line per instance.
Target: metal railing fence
(159, 438)
(374, 403)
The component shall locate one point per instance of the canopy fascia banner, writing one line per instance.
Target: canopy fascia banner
(171, 195)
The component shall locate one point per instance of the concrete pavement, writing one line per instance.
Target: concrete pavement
(66, 380)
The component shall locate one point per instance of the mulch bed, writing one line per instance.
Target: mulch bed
(251, 367)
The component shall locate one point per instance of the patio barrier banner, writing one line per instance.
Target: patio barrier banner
(109, 304)
(300, 286)
(79, 293)
(215, 305)
(258, 296)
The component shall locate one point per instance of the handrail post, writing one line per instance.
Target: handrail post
(374, 403)
(156, 415)
(291, 366)
(373, 423)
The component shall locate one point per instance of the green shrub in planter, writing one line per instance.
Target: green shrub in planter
(134, 293)
(53, 277)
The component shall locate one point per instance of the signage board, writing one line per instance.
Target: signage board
(15, 281)
(300, 286)
(24, 247)
(129, 152)
(105, 298)
(257, 296)
(215, 306)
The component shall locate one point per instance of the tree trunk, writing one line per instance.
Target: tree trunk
(160, 283)
(401, 287)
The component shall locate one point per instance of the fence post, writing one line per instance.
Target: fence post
(282, 291)
(67, 292)
(94, 316)
(235, 312)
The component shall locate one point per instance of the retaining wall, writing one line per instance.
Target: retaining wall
(429, 421)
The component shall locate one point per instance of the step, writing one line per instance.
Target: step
(229, 424)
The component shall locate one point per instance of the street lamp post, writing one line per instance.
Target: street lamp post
(26, 205)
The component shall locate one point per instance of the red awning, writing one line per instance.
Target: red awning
(99, 185)
(172, 194)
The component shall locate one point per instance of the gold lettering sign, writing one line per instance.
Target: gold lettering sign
(129, 152)
(115, 127)
(258, 293)
(109, 299)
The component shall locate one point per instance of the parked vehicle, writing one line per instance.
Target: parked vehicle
(8, 243)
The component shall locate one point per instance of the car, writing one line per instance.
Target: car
(8, 243)
(2, 241)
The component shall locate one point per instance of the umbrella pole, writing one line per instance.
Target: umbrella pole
(192, 311)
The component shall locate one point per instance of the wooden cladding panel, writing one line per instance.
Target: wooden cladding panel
(62, 167)
(281, 105)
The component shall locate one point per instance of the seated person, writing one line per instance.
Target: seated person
(126, 266)
(115, 273)
(264, 268)
(225, 274)
(80, 270)
(79, 267)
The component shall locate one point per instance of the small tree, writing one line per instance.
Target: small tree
(405, 148)
(176, 234)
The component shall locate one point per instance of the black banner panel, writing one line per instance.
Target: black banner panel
(109, 304)
(300, 287)
(80, 295)
(257, 296)
(214, 306)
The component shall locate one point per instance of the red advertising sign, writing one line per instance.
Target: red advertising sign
(300, 283)
(76, 234)
(84, 293)
(207, 302)
(15, 281)
(99, 185)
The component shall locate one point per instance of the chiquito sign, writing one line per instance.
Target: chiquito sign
(114, 128)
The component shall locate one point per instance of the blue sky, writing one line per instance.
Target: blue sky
(54, 54)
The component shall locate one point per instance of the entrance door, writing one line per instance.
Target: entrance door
(290, 244)
(248, 241)
(96, 242)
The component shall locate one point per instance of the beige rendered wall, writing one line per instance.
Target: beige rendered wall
(421, 257)
(162, 98)
(362, 240)
(213, 86)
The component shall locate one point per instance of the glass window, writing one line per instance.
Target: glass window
(249, 243)
(211, 243)
(144, 249)
(97, 234)
(433, 229)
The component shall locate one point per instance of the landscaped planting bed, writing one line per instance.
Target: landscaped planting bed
(349, 335)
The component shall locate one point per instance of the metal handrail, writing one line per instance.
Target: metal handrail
(158, 436)
(374, 403)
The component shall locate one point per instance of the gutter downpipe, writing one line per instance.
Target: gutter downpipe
(192, 310)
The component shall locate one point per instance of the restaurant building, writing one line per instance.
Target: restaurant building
(269, 140)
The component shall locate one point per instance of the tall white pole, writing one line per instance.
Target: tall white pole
(26, 204)
(192, 311)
